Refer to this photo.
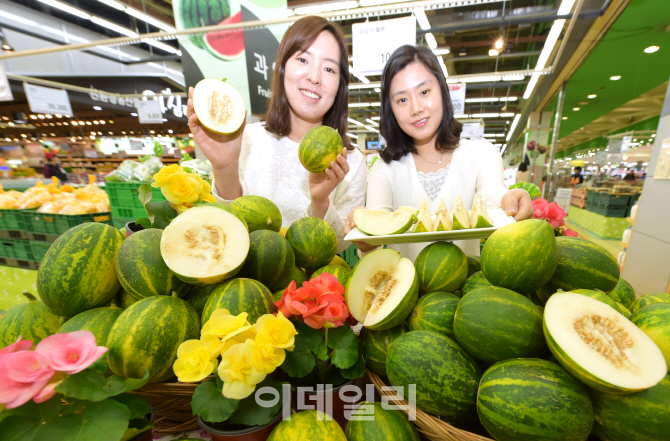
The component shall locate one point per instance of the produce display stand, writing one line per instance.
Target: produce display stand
(602, 226)
(172, 406)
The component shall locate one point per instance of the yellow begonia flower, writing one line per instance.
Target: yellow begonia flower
(182, 188)
(278, 331)
(214, 345)
(161, 178)
(223, 325)
(207, 197)
(264, 355)
(239, 375)
(206, 187)
(193, 361)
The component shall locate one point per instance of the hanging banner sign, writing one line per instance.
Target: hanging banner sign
(47, 100)
(457, 94)
(375, 41)
(5, 90)
(149, 112)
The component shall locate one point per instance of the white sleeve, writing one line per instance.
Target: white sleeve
(490, 177)
(244, 156)
(380, 188)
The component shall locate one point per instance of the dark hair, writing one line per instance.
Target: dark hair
(299, 37)
(523, 167)
(400, 143)
(578, 169)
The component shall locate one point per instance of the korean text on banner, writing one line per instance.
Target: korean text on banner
(47, 100)
(375, 41)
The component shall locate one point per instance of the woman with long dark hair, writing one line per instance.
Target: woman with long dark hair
(310, 87)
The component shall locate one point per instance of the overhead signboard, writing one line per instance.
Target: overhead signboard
(47, 100)
(375, 41)
(5, 90)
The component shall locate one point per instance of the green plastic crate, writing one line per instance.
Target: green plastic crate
(612, 199)
(591, 197)
(129, 213)
(611, 210)
(39, 249)
(350, 255)
(120, 222)
(12, 220)
(127, 194)
(16, 249)
(48, 223)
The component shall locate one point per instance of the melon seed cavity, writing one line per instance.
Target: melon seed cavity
(220, 107)
(206, 238)
(378, 290)
(606, 337)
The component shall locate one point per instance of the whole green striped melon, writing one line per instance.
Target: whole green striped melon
(375, 346)
(341, 273)
(385, 424)
(259, 213)
(318, 148)
(308, 425)
(477, 280)
(521, 256)
(230, 209)
(314, 242)
(337, 260)
(298, 276)
(238, 296)
(198, 297)
(99, 322)
(270, 259)
(147, 334)
(622, 310)
(654, 320)
(582, 264)
(623, 293)
(642, 416)
(598, 295)
(78, 271)
(123, 299)
(441, 267)
(141, 269)
(474, 264)
(649, 299)
(445, 376)
(495, 324)
(533, 399)
(32, 320)
(435, 312)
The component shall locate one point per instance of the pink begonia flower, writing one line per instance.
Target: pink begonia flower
(23, 375)
(540, 208)
(18, 345)
(555, 215)
(569, 232)
(71, 352)
(49, 390)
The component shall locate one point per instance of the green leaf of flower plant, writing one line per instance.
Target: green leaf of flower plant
(357, 370)
(162, 212)
(143, 221)
(210, 404)
(251, 413)
(136, 404)
(344, 343)
(19, 428)
(136, 383)
(322, 351)
(158, 149)
(300, 361)
(91, 386)
(186, 157)
(39, 411)
(310, 337)
(102, 421)
(145, 197)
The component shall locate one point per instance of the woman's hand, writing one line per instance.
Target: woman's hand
(517, 203)
(350, 225)
(321, 185)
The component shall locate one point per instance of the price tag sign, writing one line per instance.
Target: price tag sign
(375, 41)
(473, 130)
(457, 94)
(149, 112)
(47, 100)
(5, 90)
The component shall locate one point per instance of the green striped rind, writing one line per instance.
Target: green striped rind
(446, 378)
(270, 259)
(309, 425)
(442, 267)
(147, 335)
(32, 320)
(198, 297)
(232, 211)
(477, 280)
(474, 264)
(641, 416)
(435, 312)
(375, 346)
(402, 310)
(649, 299)
(318, 148)
(654, 320)
(385, 424)
(533, 399)
(123, 299)
(495, 324)
(338, 271)
(521, 256)
(298, 276)
(623, 293)
(622, 310)
(337, 260)
(259, 213)
(141, 269)
(582, 264)
(238, 296)
(78, 271)
(597, 295)
(314, 242)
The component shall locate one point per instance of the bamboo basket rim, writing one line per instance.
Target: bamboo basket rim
(431, 427)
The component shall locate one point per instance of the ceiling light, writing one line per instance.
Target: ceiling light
(445, 51)
(327, 7)
(159, 45)
(17, 19)
(378, 90)
(89, 123)
(565, 117)
(485, 115)
(359, 104)
(593, 95)
(374, 123)
(114, 4)
(421, 19)
(513, 126)
(289, 12)
(376, 118)
(75, 123)
(66, 8)
(499, 44)
(352, 136)
(33, 116)
(507, 115)
(430, 40)
(615, 77)
(353, 121)
(97, 108)
(549, 44)
(651, 49)
(576, 109)
(518, 77)
(566, 7)
(653, 135)
(482, 100)
(82, 123)
(358, 75)
(372, 128)
(133, 114)
(365, 3)
(102, 121)
(96, 122)
(148, 19)
(443, 66)
(47, 116)
(493, 53)
(114, 27)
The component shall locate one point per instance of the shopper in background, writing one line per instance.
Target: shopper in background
(425, 158)
(522, 174)
(577, 178)
(53, 168)
(310, 88)
(630, 177)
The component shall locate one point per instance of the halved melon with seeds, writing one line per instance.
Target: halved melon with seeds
(382, 223)
(218, 106)
(599, 346)
(205, 245)
(382, 290)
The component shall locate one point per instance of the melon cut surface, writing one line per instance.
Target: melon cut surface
(382, 290)
(425, 220)
(382, 223)
(205, 245)
(600, 346)
(442, 218)
(461, 219)
(479, 217)
(218, 106)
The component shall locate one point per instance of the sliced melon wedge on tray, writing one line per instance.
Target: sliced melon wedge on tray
(205, 245)
(479, 217)
(461, 219)
(382, 289)
(425, 220)
(382, 223)
(442, 218)
(218, 106)
(599, 346)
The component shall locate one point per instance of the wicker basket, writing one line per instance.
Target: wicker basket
(429, 426)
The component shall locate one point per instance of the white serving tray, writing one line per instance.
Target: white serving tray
(498, 216)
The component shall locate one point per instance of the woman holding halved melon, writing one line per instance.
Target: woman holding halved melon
(310, 88)
(424, 158)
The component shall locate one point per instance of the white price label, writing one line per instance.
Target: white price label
(375, 41)
(149, 112)
(47, 100)
(457, 94)
(5, 89)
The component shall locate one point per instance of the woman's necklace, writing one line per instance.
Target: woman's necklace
(438, 162)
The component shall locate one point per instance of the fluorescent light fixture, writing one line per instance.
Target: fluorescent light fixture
(482, 100)
(148, 19)
(593, 95)
(518, 77)
(97, 108)
(359, 104)
(576, 109)
(372, 128)
(615, 77)
(494, 135)
(374, 123)
(378, 90)
(376, 118)
(133, 114)
(445, 51)
(17, 19)
(485, 115)
(353, 121)
(549, 44)
(66, 8)
(326, 7)
(64, 34)
(531, 85)
(365, 3)
(352, 136)
(114, 27)
(509, 98)
(354, 144)
(358, 75)
(430, 40)
(114, 4)
(159, 45)
(566, 7)
(499, 43)
(565, 117)
(443, 66)
(513, 126)
(421, 19)
(507, 115)
(651, 49)
(493, 53)
(377, 104)
(653, 135)
(363, 85)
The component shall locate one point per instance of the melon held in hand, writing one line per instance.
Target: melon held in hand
(318, 148)
(218, 106)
